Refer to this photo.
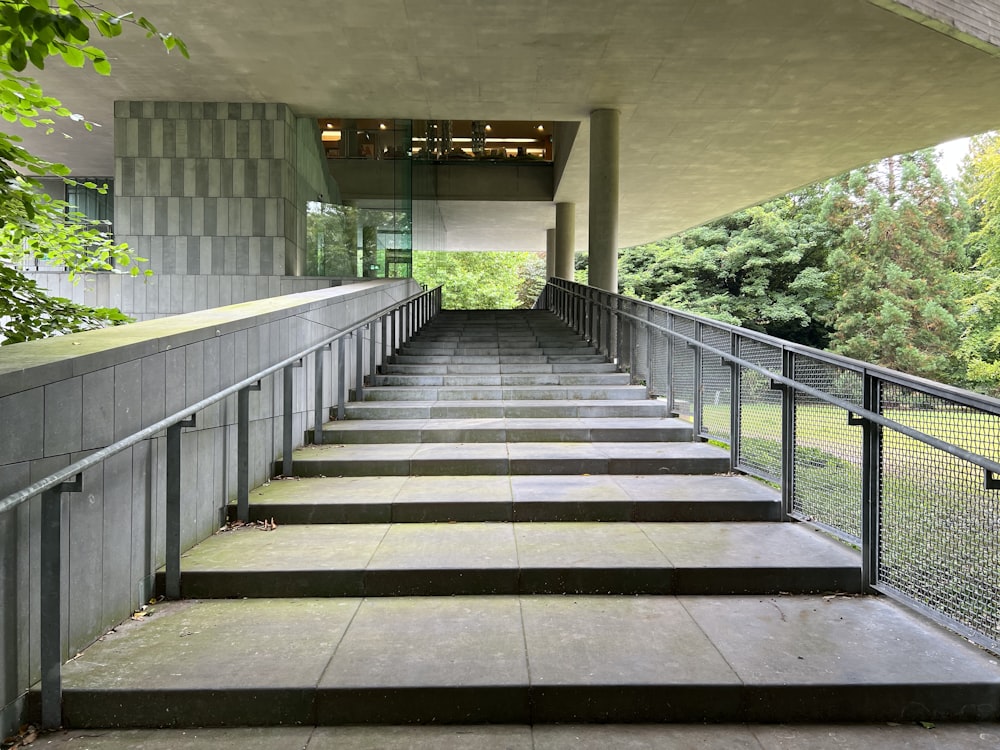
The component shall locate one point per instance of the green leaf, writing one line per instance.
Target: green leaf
(102, 66)
(17, 55)
(73, 57)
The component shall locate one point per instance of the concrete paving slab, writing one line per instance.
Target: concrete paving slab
(446, 498)
(313, 560)
(439, 559)
(644, 737)
(854, 659)
(422, 738)
(448, 658)
(755, 557)
(233, 662)
(591, 659)
(228, 738)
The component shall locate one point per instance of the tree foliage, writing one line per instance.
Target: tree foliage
(896, 263)
(482, 280)
(762, 268)
(32, 32)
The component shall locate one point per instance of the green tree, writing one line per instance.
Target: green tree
(896, 265)
(33, 32)
(761, 268)
(479, 280)
(980, 347)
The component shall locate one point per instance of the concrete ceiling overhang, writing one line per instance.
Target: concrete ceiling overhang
(723, 103)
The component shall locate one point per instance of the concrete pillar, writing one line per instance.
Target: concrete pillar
(565, 240)
(603, 263)
(550, 253)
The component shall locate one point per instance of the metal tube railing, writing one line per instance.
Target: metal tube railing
(70, 480)
(812, 383)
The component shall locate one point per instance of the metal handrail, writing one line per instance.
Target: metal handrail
(961, 395)
(78, 467)
(861, 368)
(413, 312)
(621, 326)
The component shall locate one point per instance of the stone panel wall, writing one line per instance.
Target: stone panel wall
(61, 398)
(975, 21)
(215, 188)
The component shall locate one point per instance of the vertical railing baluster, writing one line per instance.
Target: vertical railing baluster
(288, 393)
(734, 405)
(318, 416)
(359, 365)
(243, 452)
(384, 349)
(172, 572)
(372, 351)
(871, 490)
(787, 437)
(341, 377)
(649, 351)
(697, 405)
(671, 369)
(50, 604)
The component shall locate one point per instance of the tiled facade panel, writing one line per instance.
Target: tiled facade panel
(978, 18)
(208, 188)
(113, 383)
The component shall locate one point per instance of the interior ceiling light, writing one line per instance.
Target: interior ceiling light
(541, 128)
(381, 126)
(489, 128)
(329, 126)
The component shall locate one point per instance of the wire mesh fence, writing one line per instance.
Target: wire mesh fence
(841, 437)
(759, 412)
(940, 526)
(828, 461)
(716, 387)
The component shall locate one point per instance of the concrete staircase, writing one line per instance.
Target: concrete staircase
(506, 531)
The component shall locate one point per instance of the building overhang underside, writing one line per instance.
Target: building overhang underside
(723, 104)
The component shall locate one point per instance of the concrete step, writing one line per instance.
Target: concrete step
(513, 409)
(506, 430)
(888, 736)
(477, 558)
(498, 379)
(483, 359)
(503, 350)
(528, 659)
(427, 499)
(507, 393)
(463, 459)
(498, 368)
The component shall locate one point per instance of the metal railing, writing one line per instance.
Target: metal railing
(396, 323)
(903, 467)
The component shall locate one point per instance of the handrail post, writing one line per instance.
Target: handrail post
(787, 438)
(649, 351)
(619, 326)
(50, 607)
(372, 350)
(384, 347)
(243, 452)
(172, 564)
(288, 393)
(359, 365)
(697, 400)
(318, 419)
(671, 350)
(871, 487)
(341, 377)
(734, 402)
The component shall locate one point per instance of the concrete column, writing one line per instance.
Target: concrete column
(565, 240)
(550, 253)
(603, 250)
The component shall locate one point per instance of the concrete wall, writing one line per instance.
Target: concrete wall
(973, 21)
(63, 397)
(170, 294)
(216, 188)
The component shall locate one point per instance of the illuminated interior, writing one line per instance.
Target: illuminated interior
(438, 140)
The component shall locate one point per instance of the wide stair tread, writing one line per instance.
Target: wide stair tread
(527, 659)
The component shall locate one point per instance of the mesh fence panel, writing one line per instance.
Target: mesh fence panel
(683, 369)
(716, 386)
(640, 342)
(660, 348)
(940, 529)
(827, 486)
(760, 412)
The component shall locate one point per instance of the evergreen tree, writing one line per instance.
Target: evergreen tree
(762, 268)
(896, 265)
